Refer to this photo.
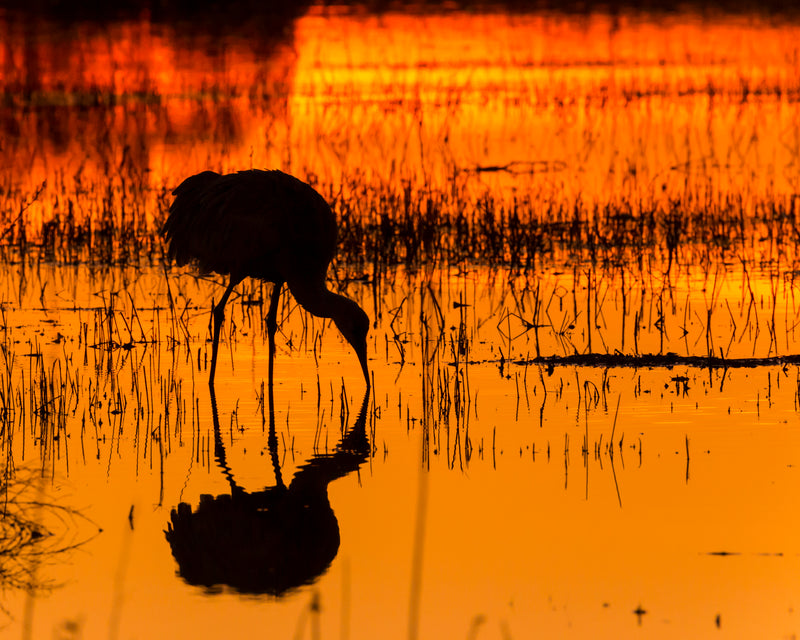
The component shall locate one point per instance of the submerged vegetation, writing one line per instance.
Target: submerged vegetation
(35, 534)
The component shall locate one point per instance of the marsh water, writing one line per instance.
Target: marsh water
(575, 235)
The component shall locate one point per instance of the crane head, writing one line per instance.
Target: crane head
(353, 323)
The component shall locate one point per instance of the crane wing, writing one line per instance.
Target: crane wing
(264, 224)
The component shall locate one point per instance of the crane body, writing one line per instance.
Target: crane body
(266, 225)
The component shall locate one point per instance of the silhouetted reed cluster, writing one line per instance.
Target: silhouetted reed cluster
(384, 225)
(403, 227)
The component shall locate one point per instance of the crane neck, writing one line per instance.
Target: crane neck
(317, 299)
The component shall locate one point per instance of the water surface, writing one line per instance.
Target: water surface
(490, 494)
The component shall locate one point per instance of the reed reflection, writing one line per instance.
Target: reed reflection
(270, 541)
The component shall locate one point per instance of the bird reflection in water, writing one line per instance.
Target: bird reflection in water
(270, 541)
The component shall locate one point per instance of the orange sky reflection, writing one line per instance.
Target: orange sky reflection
(599, 109)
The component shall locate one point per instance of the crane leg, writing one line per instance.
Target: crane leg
(272, 440)
(219, 316)
(272, 325)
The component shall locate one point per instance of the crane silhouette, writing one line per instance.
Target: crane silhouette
(266, 225)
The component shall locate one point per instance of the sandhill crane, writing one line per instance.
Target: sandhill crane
(267, 225)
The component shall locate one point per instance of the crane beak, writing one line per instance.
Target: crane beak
(361, 352)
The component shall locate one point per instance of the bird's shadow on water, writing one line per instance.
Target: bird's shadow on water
(270, 541)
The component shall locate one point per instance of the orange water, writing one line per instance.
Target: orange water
(593, 109)
(500, 498)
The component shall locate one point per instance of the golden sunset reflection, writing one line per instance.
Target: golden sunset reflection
(593, 110)
(575, 238)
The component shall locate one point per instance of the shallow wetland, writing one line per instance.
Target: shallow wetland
(575, 234)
